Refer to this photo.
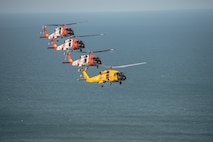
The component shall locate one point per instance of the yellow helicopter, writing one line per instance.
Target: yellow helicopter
(109, 76)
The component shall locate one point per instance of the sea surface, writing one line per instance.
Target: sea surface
(170, 99)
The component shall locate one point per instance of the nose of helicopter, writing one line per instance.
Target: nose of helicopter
(97, 61)
(70, 31)
(81, 44)
(121, 76)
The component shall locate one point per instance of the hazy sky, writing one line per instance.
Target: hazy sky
(40, 6)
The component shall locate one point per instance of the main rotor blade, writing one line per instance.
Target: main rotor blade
(65, 24)
(75, 23)
(106, 50)
(124, 66)
(53, 24)
(99, 51)
(90, 35)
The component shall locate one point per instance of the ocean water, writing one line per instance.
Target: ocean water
(168, 99)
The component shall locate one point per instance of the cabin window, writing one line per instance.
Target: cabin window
(107, 76)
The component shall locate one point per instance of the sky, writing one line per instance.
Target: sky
(61, 6)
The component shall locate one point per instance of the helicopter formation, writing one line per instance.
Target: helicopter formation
(72, 43)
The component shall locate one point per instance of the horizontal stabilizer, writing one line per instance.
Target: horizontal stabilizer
(81, 79)
(50, 47)
(65, 62)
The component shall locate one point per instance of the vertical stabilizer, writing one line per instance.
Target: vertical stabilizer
(86, 77)
(46, 35)
(54, 44)
(69, 58)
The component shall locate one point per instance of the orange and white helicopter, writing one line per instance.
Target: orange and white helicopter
(109, 76)
(86, 60)
(71, 44)
(62, 30)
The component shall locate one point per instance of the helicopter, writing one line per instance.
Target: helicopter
(71, 44)
(109, 76)
(61, 30)
(86, 60)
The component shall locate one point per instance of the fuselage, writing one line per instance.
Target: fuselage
(105, 76)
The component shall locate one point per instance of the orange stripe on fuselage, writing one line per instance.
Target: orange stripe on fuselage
(74, 43)
(90, 60)
(64, 31)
